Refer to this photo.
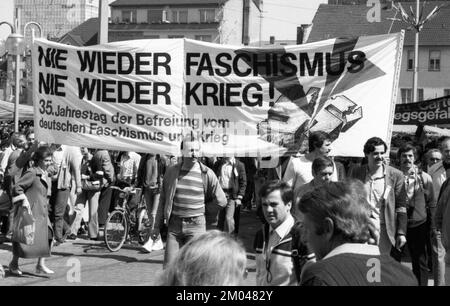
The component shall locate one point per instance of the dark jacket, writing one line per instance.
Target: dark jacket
(238, 178)
(33, 186)
(287, 258)
(101, 161)
(395, 198)
(156, 172)
(443, 214)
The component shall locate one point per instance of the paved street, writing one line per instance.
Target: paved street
(99, 267)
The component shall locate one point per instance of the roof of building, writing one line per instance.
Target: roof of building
(333, 21)
(86, 34)
(277, 43)
(162, 26)
(164, 2)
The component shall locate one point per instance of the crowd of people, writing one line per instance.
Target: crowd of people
(322, 218)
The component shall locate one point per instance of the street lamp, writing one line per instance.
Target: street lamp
(16, 47)
(417, 22)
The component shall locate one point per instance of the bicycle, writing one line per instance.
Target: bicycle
(125, 222)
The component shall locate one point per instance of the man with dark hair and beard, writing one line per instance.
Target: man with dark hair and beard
(419, 197)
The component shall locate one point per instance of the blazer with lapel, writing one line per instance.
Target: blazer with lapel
(395, 199)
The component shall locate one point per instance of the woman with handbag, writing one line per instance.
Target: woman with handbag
(31, 192)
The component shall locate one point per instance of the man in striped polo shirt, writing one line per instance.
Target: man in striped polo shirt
(191, 197)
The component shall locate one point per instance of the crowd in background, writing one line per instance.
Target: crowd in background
(68, 190)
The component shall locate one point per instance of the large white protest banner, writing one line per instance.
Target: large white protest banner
(146, 95)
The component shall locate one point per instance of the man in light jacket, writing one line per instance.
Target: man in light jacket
(191, 197)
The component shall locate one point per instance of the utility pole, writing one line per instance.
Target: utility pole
(416, 58)
(417, 23)
(103, 21)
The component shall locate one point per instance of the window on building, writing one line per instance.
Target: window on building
(180, 16)
(155, 16)
(207, 38)
(406, 95)
(129, 16)
(207, 15)
(176, 36)
(419, 95)
(446, 92)
(410, 60)
(435, 61)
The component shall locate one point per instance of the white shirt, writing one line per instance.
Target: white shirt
(129, 163)
(225, 174)
(281, 231)
(283, 275)
(354, 248)
(299, 172)
(6, 154)
(439, 175)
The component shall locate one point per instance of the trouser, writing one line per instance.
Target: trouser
(91, 197)
(180, 231)
(58, 203)
(6, 208)
(416, 238)
(249, 191)
(438, 259)
(386, 246)
(429, 245)
(237, 219)
(104, 205)
(7, 222)
(151, 196)
(447, 268)
(226, 216)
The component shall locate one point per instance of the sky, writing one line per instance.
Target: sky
(281, 17)
(6, 14)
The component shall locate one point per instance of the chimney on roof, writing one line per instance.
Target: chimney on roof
(303, 33)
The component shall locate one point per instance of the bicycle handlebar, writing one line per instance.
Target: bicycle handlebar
(129, 190)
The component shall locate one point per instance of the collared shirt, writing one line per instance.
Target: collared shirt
(278, 233)
(376, 192)
(439, 175)
(274, 265)
(354, 248)
(226, 173)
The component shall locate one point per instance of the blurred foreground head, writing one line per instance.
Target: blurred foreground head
(209, 259)
(334, 214)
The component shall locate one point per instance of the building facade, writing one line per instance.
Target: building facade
(434, 43)
(57, 17)
(218, 21)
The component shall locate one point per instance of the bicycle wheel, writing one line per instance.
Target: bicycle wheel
(142, 225)
(116, 229)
